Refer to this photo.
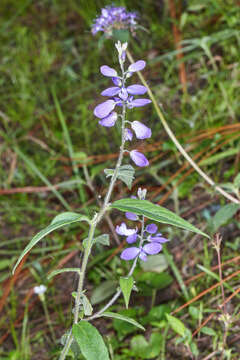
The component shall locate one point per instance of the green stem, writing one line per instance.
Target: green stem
(89, 244)
(174, 139)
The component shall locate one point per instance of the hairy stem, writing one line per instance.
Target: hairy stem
(174, 139)
(98, 217)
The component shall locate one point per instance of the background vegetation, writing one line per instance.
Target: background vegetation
(49, 85)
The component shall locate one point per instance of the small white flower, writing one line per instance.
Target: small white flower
(142, 193)
(39, 290)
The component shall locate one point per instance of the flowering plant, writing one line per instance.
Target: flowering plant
(114, 18)
(123, 97)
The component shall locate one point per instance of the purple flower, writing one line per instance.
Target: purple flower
(157, 238)
(109, 120)
(141, 130)
(124, 92)
(132, 238)
(136, 89)
(107, 71)
(113, 17)
(138, 158)
(137, 102)
(148, 249)
(102, 110)
(128, 134)
(131, 216)
(137, 66)
(112, 91)
(116, 81)
(151, 228)
(123, 230)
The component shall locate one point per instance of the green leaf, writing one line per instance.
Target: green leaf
(122, 317)
(149, 281)
(126, 285)
(176, 324)
(125, 173)
(194, 312)
(65, 220)
(144, 350)
(154, 212)
(223, 215)
(103, 291)
(208, 331)
(155, 263)
(60, 271)
(69, 216)
(156, 314)
(101, 239)
(90, 341)
(236, 181)
(87, 306)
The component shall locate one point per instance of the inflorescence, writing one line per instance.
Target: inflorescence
(121, 95)
(113, 17)
(148, 235)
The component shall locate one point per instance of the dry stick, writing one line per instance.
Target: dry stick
(178, 145)
(211, 355)
(206, 291)
(203, 324)
(11, 282)
(217, 245)
(177, 39)
(195, 277)
(211, 316)
(189, 171)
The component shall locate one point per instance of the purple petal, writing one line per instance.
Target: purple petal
(123, 94)
(116, 81)
(141, 130)
(128, 134)
(110, 120)
(143, 256)
(136, 89)
(130, 253)
(131, 238)
(107, 71)
(110, 91)
(140, 102)
(137, 66)
(151, 228)
(123, 230)
(158, 239)
(102, 110)
(139, 158)
(131, 216)
(152, 248)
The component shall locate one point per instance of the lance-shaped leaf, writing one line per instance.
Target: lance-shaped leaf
(59, 221)
(90, 341)
(126, 284)
(60, 271)
(122, 317)
(154, 212)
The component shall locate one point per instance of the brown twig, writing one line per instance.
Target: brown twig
(177, 39)
(11, 282)
(206, 292)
